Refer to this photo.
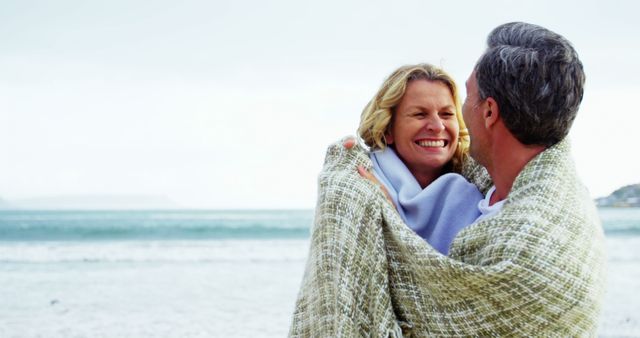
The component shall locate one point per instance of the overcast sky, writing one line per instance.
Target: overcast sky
(231, 104)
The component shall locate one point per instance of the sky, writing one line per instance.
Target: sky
(232, 104)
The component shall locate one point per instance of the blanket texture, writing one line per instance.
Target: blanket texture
(534, 269)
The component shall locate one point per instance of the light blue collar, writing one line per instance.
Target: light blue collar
(436, 213)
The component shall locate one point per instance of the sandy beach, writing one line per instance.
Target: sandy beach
(230, 288)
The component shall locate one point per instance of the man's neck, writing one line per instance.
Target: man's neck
(509, 157)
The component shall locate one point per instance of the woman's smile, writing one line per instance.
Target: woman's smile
(432, 143)
(424, 132)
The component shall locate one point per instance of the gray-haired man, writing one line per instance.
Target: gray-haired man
(533, 268)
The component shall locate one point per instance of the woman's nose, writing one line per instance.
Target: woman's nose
(435, 124)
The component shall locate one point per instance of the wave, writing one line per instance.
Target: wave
(620, 221)
(119, 225)
(152, 225)
(188, 251)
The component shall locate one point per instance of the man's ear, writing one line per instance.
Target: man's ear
(491, 113)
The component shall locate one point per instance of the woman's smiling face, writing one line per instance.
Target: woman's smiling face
(424, 130)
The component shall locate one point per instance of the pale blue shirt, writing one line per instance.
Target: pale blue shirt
(436, 213)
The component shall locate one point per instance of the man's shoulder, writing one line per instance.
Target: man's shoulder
(548, 207)
(549, 199)
(550, 176)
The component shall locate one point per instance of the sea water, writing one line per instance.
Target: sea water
(199, 273)
(186, 273)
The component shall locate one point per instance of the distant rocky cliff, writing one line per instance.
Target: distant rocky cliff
(627, 196)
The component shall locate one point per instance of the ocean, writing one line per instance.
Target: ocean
(200, 273)
(127, 225)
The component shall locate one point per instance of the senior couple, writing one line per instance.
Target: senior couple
(504, 242)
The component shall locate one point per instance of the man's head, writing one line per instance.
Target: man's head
(536, 80)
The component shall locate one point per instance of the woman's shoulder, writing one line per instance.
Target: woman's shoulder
(339, 157)
(339, 177)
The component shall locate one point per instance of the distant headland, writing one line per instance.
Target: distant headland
(627, 196)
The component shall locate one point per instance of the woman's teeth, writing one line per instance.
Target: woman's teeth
(433, 144)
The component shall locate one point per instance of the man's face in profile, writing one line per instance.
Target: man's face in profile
(472, 111)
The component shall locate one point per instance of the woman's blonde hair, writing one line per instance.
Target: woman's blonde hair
(377, 117)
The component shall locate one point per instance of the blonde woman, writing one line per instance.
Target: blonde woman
(418, 141)
(418, 145)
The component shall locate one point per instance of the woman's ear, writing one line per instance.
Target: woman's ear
(388, 137)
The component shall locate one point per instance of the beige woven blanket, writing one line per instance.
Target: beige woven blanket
(535, 269)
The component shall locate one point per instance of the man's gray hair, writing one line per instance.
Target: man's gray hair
(536, 78)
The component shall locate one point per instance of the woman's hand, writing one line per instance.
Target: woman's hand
(366, 174)
(349, 142)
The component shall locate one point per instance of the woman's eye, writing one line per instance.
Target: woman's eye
(447, 114)
(419, 114)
